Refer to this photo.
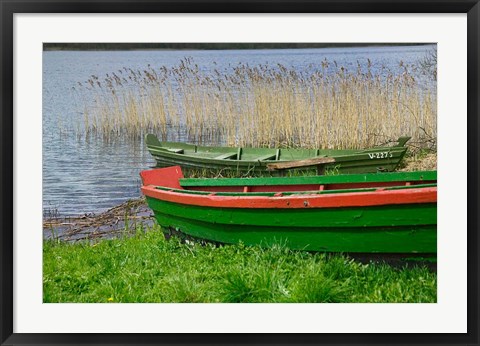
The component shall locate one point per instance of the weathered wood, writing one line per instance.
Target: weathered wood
(317, 161)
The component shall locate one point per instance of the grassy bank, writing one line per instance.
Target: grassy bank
(147, 268)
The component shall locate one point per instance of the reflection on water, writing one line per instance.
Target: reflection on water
(85, 175)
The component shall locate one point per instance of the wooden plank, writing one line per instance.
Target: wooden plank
(300, 163)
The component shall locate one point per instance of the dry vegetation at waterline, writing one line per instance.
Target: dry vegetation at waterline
(263, 105)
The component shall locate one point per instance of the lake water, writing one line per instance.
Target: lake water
(82, 175)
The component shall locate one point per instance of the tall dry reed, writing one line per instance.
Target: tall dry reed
(262, 105)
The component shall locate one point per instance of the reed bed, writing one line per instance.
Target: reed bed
(264, 105)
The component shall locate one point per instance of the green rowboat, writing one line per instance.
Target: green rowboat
(360, 213)
(167, 154)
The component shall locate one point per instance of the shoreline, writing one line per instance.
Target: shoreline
(127, 217)
(212, 46)
(123, 219)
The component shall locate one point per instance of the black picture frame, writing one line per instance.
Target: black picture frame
(10, 7)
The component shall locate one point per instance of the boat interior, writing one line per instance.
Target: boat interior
(255, 154)
(171, 178)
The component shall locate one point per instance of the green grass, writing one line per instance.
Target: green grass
(147, 268)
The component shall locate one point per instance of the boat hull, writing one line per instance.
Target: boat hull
(385, 229)
(208, 158)
(348, 165)
(370, 213)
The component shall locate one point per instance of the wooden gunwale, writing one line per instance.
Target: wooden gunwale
(349, 199)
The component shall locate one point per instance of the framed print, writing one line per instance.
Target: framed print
(239, 173)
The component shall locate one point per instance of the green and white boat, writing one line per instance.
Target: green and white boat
(383, 158)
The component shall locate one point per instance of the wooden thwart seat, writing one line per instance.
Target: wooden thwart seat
(176, 151)
(230, 155)
(320, 162)
(226, 156)
(267, 157)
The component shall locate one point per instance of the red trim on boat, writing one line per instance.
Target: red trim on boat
(304, 201)
(168, 176)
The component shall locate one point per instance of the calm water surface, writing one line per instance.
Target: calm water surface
(88, 176)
